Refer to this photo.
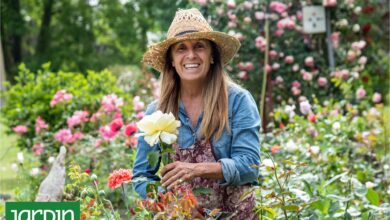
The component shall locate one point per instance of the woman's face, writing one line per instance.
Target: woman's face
(191, 59)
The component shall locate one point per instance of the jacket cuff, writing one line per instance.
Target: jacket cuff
(230, 172)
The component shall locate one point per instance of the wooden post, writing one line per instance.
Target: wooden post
(329, 40)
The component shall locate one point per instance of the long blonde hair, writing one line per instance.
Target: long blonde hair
(215, 95)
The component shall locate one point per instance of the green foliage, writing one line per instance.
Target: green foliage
(31, 95)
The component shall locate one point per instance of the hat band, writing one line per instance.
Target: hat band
(184, 33)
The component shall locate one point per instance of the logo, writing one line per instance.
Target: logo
(42, 210)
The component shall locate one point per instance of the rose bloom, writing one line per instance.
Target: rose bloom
(20, 129)
(107, 132)
(296, 84)
(118, 177)
(362, 60)
(273, 54)
(295, 91)
(159, 127)
(243, 75)
(130, 129)
(38, 148)
(329, 3)
(116, 125)
(377, 97)
(335, 39)
(322, 81)
(305, 107)
(360, 93)
(278, 7)
(312, 118)
(259, 15)
(40, 124)
(309, 61)
(289, 59)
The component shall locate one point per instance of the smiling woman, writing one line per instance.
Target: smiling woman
(218, 142)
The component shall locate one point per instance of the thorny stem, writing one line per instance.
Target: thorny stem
(280, 186)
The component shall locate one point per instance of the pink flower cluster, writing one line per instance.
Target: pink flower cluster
(261, 43)
(60, 96)
(329, 3)
(111, 103)
(38, 148)
(77, 118)
(40, 124)
(138, 105)
(20, 129)
(65, 136)
(278, 7)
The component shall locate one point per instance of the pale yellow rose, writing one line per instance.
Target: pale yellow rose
(159, 126)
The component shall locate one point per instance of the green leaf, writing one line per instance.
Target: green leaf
(372, 196)
(153, 158)
(202, 190)
(293, 208)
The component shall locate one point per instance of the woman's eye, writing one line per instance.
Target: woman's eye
(199, 46)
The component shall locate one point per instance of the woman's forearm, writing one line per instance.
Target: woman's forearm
(209, 170)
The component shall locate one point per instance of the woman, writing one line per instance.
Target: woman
(218, 144)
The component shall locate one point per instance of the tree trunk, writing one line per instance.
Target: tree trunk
(12, 26)
(2, 75)
(44, 32)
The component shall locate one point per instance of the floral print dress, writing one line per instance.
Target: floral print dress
(226, 198)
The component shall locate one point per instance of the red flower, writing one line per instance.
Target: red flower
(118, 177)
(312, 118)
(281, 125)
(87, 170)
(275, 149)
(130, 129)
(366, 28)
(368, 9)
(116, 125)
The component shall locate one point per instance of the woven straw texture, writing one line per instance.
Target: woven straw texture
(190, 25)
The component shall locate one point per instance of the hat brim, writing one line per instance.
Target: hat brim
(156, 54)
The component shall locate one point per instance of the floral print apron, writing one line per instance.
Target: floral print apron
(226, 198)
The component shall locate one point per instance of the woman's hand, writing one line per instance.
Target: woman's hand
(176, 173)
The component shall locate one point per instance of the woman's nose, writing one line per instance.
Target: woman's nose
(191, 54)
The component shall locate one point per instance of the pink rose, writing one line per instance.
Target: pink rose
(305, 107)
(77, 118)
(268, 69)
(360, 93)
(243, 75)
(278, 7)
(329, 3)
(38, 149)
(60, 96)
(377, 97)
(335, 39)
(279, 80)
(289, 59)
(259, 15)
(116, 124)
(260, 43)
(295, 91)
(106, 132)
(296, 84)
(201, 2)
(273, 54)
(20, 129)
(231, 5)
(307, 76)
(111, 103)
(309, 61)
(138, 104)
(64, 136)
(295, 68)
(130, 129)
(40, 124)
(362, 60)
(279, 32)
(275, 66)
(140, 115)
(351, 55)
(322, 81)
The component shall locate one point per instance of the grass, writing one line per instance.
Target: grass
(8, 151)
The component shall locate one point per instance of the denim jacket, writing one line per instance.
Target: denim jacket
(237, 150)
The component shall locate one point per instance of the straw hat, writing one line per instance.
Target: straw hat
(187, 25)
